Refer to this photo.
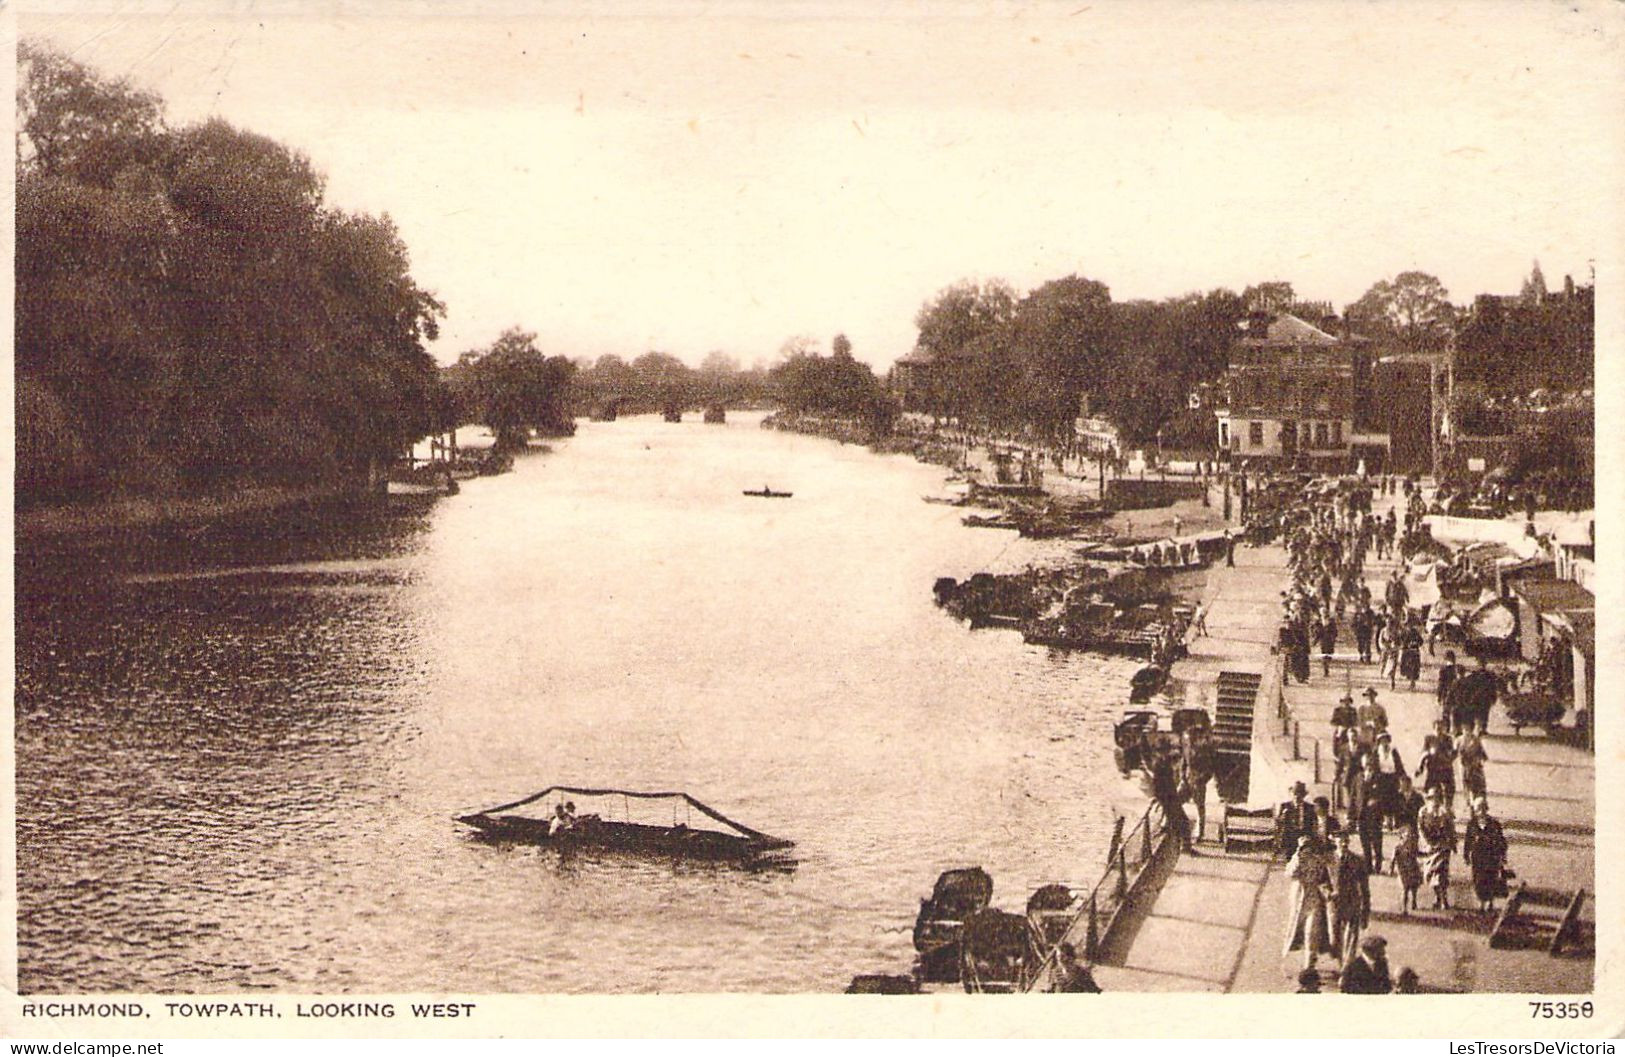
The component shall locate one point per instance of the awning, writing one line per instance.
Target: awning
(1552, 595)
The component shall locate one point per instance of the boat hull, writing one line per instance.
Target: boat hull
(679, 841)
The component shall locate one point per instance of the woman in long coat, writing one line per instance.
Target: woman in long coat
(1437, 828)
(1389, 647)
(1410, 653)
(1308, 924)
(1485, 849)
(1470, 752)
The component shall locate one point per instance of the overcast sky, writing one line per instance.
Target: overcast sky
(620, 184)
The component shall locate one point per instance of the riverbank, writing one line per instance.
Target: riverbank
(111, 516)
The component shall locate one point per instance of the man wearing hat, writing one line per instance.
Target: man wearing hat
(1344, 716)
(1447, 679)
(1351, 898)
(1367, 974)
(1373, 717)
(1294, 819)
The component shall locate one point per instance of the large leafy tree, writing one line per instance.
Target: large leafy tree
(1062, 335)
(189, 311)
(513, 387)
(1412, 309)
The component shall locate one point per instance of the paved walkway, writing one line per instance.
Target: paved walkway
(1218, 922)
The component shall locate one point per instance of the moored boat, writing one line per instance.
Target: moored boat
(768, 493)
(1147, 681)
(1144, 729)
(938, 927)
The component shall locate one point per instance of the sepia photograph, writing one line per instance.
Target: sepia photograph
(528, 499)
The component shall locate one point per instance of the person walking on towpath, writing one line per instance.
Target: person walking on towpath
(1165, 791)
(1365, 625)
(1437, 827)
(1369, 805)
(1484, 848)
(1327, 633)
(1470, 751)
(1472, 697)
(1436, 769)
(1293, 819)
(1390, 773)
(1200, 763)
(1410, 652)
(1308, 928)
(1408, 868)
(1351, 899)
(1391, 631)
(1372, 716)
(1367, 974)
(1449, 672)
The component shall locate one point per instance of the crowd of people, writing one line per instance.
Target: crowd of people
(1384, 816)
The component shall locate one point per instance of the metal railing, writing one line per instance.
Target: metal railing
(1098, 911)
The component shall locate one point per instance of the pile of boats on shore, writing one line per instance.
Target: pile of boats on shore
(1086, 607)
(439, 477)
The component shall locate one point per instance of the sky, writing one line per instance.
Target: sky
(690, 178)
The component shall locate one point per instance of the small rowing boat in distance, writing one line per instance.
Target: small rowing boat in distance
(768, 493)
(621, 820)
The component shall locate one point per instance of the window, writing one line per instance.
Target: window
(1337, 434)
(1255, 434)
(1321, 436)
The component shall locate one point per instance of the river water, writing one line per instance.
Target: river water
(238, 768)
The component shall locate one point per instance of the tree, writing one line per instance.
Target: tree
(833, 385)
(72, 121)
(1412, 309)
(516, 388)
(1271, 298)
(189, 311)
(841, 346)
(967, 328)
(962, 313)
(1062, 334)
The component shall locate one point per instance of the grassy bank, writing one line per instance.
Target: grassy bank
(95, 520)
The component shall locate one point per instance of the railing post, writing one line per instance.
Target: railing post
(1145, 841)
(1091, 939)
(1122, 874)
(1317, 761)
(1296, 726)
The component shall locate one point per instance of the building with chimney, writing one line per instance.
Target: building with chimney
(1293, 389)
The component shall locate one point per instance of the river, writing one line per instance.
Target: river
(237, 768)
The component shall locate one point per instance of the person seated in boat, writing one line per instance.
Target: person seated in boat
(564, 818)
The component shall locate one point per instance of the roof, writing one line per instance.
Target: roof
(1549, 595)
(1286, 329)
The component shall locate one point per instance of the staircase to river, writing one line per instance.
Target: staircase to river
(1233, 729)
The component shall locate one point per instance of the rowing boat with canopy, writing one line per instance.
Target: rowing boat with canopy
(626, 820)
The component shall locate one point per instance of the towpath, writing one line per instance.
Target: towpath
(1217, 922)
